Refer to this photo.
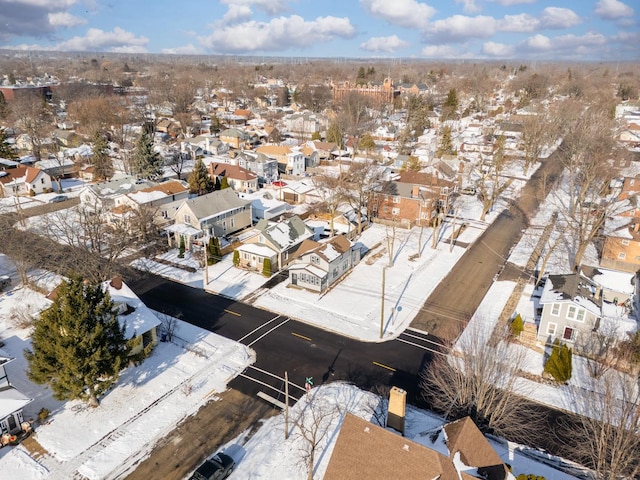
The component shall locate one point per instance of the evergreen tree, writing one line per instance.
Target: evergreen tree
(78, 346)
(367, 143)
(316, 136)
(266, 268)
(334, 135)
(516, 326)
(4, 108)
(236, 258)
(450, 105)
(6, 149)
(559, 363)
(361, 77)
(224, 183)
(412, 164)
(102, 166)
(147, 163)
(446, 143)
(199, 180)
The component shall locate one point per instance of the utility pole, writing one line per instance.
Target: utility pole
(286, 405)
(453, 230)
(384, 270)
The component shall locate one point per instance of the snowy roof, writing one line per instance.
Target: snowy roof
(312, 269)
(287, 233)
(183, 229)
(142, 197)
(12, 400)
(257, 249)
(142, 319)
(613, 280)
(573, 288)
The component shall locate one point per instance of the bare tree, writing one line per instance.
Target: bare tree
(492, 183)
(331, 190)
(538, 131)
(362, 177)
(479, 378)
(32, 115)
(606, 434)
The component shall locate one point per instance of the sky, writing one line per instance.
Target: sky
(585, 30)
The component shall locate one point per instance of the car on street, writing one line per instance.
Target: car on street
(58, 198)
(215, 468)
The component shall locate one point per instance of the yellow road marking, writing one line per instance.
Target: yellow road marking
(300, 336)
(384, 366)
(232, 313)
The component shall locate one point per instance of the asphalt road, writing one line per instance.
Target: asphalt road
(282, 344)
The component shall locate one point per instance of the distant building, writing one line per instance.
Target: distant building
(381, 93)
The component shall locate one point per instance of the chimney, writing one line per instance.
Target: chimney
(116, 282)
(397, 409)
(636, 227)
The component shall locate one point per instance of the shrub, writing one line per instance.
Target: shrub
(182, 248)
(236, 258)
(559, 364)
(516, 326)
(266, 267)
(529, 476)
(43, 414)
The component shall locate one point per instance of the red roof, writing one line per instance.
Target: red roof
(279, 183)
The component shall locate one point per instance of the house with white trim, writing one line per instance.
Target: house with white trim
(24, 180)
(12, 401)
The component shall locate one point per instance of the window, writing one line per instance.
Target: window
(555, 309)
(232, 222)
(624, 241)
(569, 334)
(165, 214)
(622, 255)
(551, 329)
(187, 218)
(315, 260)
(396, 199)
(42, 181)
(571, 313)
(580, 315)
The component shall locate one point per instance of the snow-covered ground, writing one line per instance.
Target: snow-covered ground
(176, 380)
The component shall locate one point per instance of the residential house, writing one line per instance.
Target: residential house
(311, 157)
(252, 256)
(141, 324)
(304, 124)
(156, 200)
(103, 195)
(290, 159)
(571, 307)
(302, 191)
(265, 206)
(61, 167)
(12, 401)
(317, 266)
(234, 137)
(283, 237)
(264, 167)
(240, 179)
(457, 451)
(412, 198)
(24, 180)
(215, 214)
(169, 127)
(325, 150)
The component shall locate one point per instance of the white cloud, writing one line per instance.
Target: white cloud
(403, 13)
(518, 23)
(237, 13)
(564, 45)
(556, 17)
(469, 6)
(539, 42)
(460, 27)
(118, 40)
(499, 50)
(184, 50)
(508, 3)
(384, 44)
(272, 7)
(440, 51)
(613, 9)
(278, 34)
(65, 19)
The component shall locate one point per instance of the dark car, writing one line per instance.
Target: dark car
(58, 198)
(216, 468)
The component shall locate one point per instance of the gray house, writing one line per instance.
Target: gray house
(317, 266)
(12, 401)
(264, 167)
(215, 214)
(571, 307)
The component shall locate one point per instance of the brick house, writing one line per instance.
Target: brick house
(240, 179)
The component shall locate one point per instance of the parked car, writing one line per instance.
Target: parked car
(215, 468)
(58, 198)
(468, 191)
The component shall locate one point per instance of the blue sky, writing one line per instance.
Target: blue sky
(454, 29)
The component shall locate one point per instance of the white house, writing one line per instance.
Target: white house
(12, 401)
(24, 180)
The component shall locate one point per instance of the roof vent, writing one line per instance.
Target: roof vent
(366, 430)
(405, 448)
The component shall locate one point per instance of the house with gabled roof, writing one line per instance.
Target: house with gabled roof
(215, 214)
(240, 179)
(103, 195)
(234, 137)
(12, 401)
(24, 180)
(264, 167)
(317, 266)
(283, 237)
(457, 451)
(290, 159)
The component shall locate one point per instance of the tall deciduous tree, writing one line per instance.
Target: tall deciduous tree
(147, 162)
(32, 116)
(335, 135)
(78, 346)
(199, 180)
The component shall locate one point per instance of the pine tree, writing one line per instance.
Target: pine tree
(446, 144)
(78, 346)
(6, 149)
(102, 166)
(147, 163)
(334, 135)
(4, 108)
(266, 268)
(316, 136)
(224, 183)
(182, 247)
(559, 363)
(236, 258)
(199, 180)
(516, 326)
(367, 143)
